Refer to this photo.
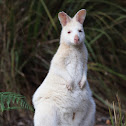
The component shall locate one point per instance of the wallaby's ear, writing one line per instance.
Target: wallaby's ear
(80, 16)
(64, 18)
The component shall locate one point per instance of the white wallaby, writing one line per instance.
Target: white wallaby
(64, 98)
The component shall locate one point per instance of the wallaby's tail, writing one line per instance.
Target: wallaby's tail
(45, 115)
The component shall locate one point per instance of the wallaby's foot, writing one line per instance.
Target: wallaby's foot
(69, 87)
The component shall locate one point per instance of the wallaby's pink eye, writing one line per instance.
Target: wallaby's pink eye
(80, 30)
(69, 32)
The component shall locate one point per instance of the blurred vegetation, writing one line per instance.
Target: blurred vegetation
(29, 37)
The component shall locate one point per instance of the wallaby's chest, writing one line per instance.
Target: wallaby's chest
(75, 64)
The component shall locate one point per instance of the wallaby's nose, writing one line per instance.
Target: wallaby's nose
(76, 39)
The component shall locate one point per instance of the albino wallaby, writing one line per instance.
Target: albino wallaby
(64, 98)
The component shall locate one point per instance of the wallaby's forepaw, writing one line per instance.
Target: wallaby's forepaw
(83, 81)
(81, 84)
(69, 87)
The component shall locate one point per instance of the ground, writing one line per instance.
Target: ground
(26, 119)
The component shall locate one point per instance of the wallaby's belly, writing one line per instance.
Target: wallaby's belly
(71, 106)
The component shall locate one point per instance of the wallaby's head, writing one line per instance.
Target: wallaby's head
(72, 28)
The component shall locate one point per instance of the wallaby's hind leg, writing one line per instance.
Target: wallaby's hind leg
(45, 115)
(89, 120)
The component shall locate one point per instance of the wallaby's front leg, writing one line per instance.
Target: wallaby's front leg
(62, 72)
(66, 76)
(84, 78)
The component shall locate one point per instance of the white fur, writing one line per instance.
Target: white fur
(69, 38)
(64, 98)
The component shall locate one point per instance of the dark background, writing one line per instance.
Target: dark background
(29, 37)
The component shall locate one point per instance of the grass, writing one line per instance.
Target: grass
(29, 37)
(117, 117)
